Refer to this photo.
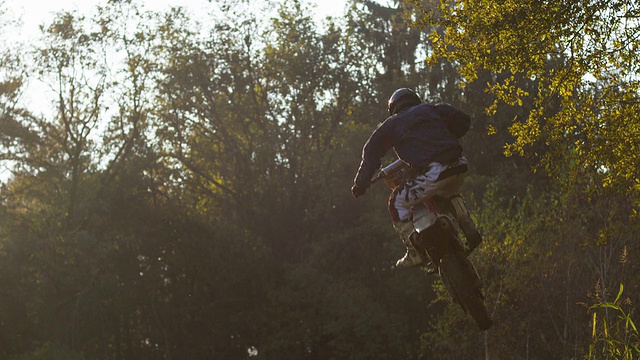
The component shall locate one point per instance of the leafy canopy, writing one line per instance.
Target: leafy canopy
(575, 61)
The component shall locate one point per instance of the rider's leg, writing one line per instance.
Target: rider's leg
(416, 190)
(411, 257)
(403, 225)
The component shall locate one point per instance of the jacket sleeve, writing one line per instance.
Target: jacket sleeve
(374, 149)
(457, 121)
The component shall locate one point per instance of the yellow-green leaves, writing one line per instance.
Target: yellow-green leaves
(571, 67)
(613, 331)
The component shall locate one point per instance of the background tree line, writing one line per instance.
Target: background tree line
(186, 194)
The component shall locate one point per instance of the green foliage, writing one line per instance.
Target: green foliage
(187, 193)
(614, 333)
(582, 58)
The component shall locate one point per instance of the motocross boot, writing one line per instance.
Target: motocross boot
(411, 258)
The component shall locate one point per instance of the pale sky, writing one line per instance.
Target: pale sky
(36, 12)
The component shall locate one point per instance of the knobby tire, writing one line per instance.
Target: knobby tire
(464, 286)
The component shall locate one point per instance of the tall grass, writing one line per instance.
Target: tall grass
(614, 333)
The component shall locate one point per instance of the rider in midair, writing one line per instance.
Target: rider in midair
(425, 136)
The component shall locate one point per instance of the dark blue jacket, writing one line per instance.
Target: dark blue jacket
(419, 135)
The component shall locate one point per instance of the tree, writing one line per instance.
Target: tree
(62, 194)
(583, 58)
(187, 196)
(551, 76)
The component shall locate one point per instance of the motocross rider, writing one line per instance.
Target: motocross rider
(426, 137)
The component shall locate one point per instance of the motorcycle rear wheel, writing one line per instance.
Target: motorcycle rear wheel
(462, 281)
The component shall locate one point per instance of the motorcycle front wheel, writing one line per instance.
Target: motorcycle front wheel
(462, 281)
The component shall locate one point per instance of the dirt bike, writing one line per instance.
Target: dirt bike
(438, 223)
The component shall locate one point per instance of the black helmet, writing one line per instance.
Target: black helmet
(401, 99)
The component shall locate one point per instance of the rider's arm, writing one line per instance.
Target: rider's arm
(374, 149)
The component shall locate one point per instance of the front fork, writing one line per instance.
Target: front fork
(471, 233)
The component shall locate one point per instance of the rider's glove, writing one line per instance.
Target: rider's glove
(358, 191)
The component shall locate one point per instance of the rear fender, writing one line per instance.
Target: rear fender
(433, 222)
